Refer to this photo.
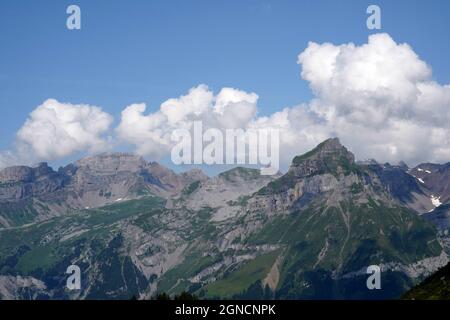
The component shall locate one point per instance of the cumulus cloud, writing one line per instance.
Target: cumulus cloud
(151, 133)
(379, 98)
(56, 130)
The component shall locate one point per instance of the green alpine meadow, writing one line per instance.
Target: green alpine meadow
(137, 229)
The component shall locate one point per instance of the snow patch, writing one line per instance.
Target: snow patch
(435, 201)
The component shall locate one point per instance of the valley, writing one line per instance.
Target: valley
(138, 229)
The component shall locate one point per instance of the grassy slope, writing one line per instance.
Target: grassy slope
(435, 287)
(377, 234)
(241, 279)
(26, 250)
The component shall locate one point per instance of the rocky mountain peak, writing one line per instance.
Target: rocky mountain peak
(331, 144)
(24, 173)
(123, 213)
(195, 175)
(330, 156)
(16, 174)
(42, 169)
(402, 164)
(435, 178)
(240, 173)
(330, 147)
(333, 147)
(112, 163)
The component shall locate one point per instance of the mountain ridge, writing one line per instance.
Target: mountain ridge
(308, 233)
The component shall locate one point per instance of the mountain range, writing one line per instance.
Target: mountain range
(136, 228)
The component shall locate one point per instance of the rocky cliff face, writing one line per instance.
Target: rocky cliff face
(110, 164)
(328, 157)
(35, 194)
(433, 202)
(435, 178)
(225, 192)
(310, 233)
(21, 182)
(330, 166)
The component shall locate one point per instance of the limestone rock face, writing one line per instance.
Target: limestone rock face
(91, 182)
(138, 228)
(21, 182)
(329, 156)
(111, 163)
(16, 174)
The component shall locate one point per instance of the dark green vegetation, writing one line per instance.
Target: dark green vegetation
(242, 173)
(191, 188)
(240, 280)
(309, 234)
(326, 158)
(435, 287)
(19, 213)
(45, 250)
(298, 159)
(329, 157)
(358, 237)
(283, 184)
(183, 296)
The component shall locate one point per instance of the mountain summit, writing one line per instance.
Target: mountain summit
(34, 194)
(330, 147)
(137, 228)
(329, 156)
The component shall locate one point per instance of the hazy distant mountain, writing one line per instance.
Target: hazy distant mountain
(137, 228)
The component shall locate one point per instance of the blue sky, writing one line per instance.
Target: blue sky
(149, 51)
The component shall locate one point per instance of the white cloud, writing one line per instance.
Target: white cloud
(379, 98)
(56, 130)
(195, 103)
(8, 158)
(151, 133)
